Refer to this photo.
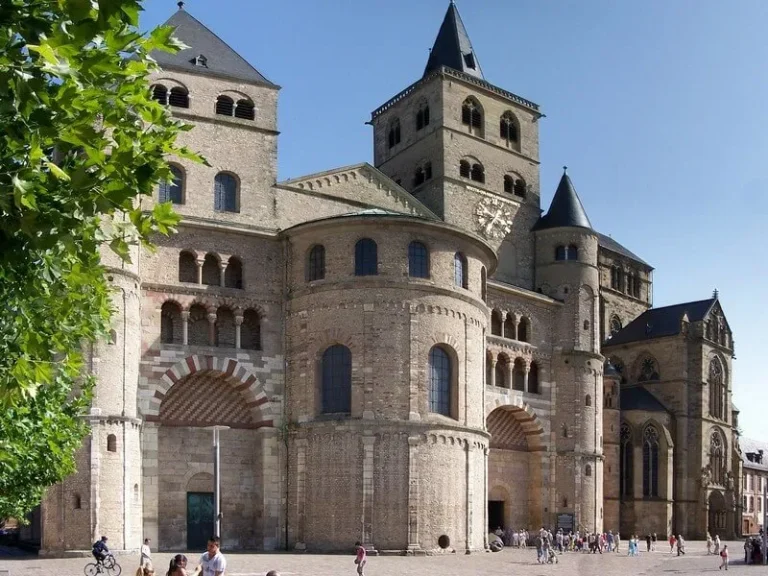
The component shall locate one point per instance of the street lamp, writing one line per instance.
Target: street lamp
(216, 479)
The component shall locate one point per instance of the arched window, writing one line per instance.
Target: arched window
(464, 169)
(518, 375)
(225, 193)
(509, 327)
(418, 260)
(573, 252)
(615, 277)
(245, 110)
(588, 470)
(78, 502)
(170, 323)
(336, 389)
(717, 459)
(366, 258)
(316, 263)
(508, 128)
(502, 367)
(533, 378)
(172, 190)
(565, 431)
(225, 328)
(478, 173)
(211, 272)
(636, 287)
(615, 324)
(472, 116)
(509, 184)
(717, 390)
(496, 329)
(179, 97)
(588, 400)
(649, 370)
(524, 330)
(418, 177)
(225, 106)
(111, 443)
(560, 253)
(422, 116)
(650, 462)
(187, 267)
(460, 270)
(233, 274)
(393, 136)
(440, 381)
(520, 187)
(483, 284)
(160, 93)
(198, 333)
(626, 471)
(250, 331)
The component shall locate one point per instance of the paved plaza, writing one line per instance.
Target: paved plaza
(506, 562)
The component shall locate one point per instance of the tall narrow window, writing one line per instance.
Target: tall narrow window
(418, 260)
(560, 253)
(394, 133)
(225, 106)
(478, 173)
(510, 330)
(464, 169)
(520, 188)
(225, 193)
(717, 390)
(650, 462)
(716, 459)
(366, 258)
(179, 97)
(615, 278)
(160, 93)
(233, 274)
(336, 391)
(518, 375)
(224, 329)
(460, 270)
(422, 117)
(533, 378)
(439, 381)
(187, 267)
(524, 330)
(483, 284)
(573, 252)
(245, 110)
(316, 263)
(508, 129)
(111, 443)
(170, 323)
(502, 366)
(472, 115)
(625, 461)
(250, 330)
(509, 184)
(496, 323)
(211, 271)
(172, 190)
(418, 177)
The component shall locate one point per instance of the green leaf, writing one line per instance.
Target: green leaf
(56, 171)
(45, 51)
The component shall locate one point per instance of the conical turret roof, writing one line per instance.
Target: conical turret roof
(452, 47)
(566, 208)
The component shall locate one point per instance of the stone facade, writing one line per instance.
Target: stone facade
(398, 355)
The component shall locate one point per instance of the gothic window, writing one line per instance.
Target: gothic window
(393, 137)
(440, 381)
(211, 273)
(524, 330)
(460, 270)
(172, 190)
(160, 93)
(560, 253)
(533, 378)
(245, 110)
(478, 173)
(316, 263)
(111, 443)
(225, 106)
(250, 331)
(472, 115)
(225, 193)
(170, 323)
(650, 462)
(716, 459)
(366, 258)
(187, 267)
(336, 380)
(717, 390)
(501, 372)
(614, 277)
(625, 461)
(464, 169)
(233, 274)
(649, 372)
(615, 324)
(518, 375)
(509, 327)
(422, 117)
(496, 324)
(179, 97)
(508, 128)
(418, 260)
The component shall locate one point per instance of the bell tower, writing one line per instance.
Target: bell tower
(467, 149)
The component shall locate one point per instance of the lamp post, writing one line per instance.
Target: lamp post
(216, 479)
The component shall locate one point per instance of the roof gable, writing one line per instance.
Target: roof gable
(453, 48)
(218, 58)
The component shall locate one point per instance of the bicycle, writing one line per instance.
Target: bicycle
(108, 566)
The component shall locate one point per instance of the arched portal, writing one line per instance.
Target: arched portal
(717, 514)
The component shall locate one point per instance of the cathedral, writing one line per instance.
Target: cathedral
(406, 352)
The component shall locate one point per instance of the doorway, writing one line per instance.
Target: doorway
(495, 514)
(199, 519)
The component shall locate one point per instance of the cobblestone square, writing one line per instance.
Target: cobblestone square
(504, 563)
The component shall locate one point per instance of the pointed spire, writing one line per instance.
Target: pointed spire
(566, 208)
(452, 47)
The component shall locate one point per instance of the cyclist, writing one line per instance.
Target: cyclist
(100, 550)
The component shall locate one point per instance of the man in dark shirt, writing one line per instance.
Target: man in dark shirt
(100, 550)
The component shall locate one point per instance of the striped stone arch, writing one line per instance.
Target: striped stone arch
(263, 412)
(525, 415)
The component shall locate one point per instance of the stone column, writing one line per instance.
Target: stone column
(511, 373)
(368, 487)
(517, 326)
(413, 494)
(150, 483)
(238, 323)
(222, 270)
(301, 479)
(469, 478)
(212, 329)
(200, 263)
(185, 327)
(485, 497)
(526, 370)
(492, 372)
(272, 493)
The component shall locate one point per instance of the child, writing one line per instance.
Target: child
(724, 556)
(361, 557)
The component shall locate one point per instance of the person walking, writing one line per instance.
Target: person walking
(617, 541)
(717, 544)
(724, 557)
(709, 544)
(747, 549)
(648, 542)
(671, 543)
(680, 545)
(361, 557)
(145, 563)
(653, 542)
(212, 563)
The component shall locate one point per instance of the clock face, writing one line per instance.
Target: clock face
(494, 218)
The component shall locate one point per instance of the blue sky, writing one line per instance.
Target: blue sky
(658, 108)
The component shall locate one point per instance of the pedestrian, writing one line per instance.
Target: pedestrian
(212, 563)
(671, 543)
(717, 544)
(648, 542)
(724, 557)
(178, 566)
(360, 558)
(145, 562)
(680, 545)
(653, 542)
(709, 544)
(617, 541)
(747, 549)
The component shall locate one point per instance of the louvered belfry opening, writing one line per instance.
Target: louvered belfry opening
(245, 110)
(225, 106)
(179, 98)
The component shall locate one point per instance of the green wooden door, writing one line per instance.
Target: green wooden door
(199, 519)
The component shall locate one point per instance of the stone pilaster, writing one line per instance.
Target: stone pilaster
(301, 479)
(413, 493)
(368, 487)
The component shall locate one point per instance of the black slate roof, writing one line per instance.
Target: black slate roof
(566, 208)
(660, 322)
(453, 48)
(638, 398)
(610, 244)
(220, 59)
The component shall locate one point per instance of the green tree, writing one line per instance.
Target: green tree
(81, 142)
